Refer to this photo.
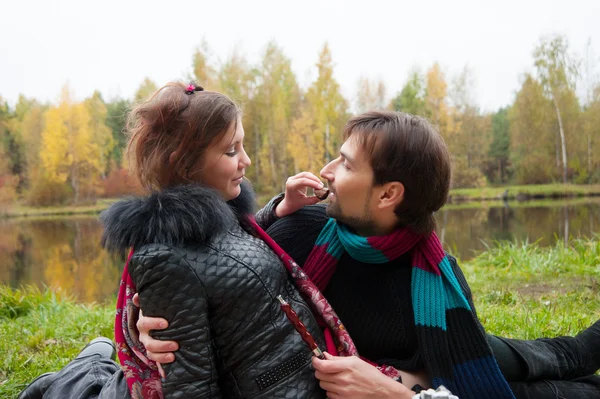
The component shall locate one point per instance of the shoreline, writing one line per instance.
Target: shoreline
(520, 194)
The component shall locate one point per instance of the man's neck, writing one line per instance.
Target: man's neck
(379, 227)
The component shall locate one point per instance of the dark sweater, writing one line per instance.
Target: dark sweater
(371, 300)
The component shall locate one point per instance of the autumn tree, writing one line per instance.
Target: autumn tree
(101, 134)
(436, 99)
(327, 107)
(370, 95)
(276, 105)
(531, 119)
(557, 69)
(69, 151)
(204, 71)
(468, 133)
(146, 89)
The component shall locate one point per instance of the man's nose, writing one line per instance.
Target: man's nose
(326, 172)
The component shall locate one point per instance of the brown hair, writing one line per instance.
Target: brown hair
(408, 149)
(177, 120)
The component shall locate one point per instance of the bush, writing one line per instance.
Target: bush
(43, 192)
(8, 189)
(118, 183)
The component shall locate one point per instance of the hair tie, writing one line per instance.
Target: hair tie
(191, 88)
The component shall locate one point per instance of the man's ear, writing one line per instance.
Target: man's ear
(391, 195)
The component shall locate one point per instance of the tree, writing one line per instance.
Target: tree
(327, 107)
(100, 132)
(468, 133)
(145, 91)
(204, 73)
(370, 95)
(531, 134)
(500, 148)
(557, 71)
(276, 105)
(411, 98)
(435, 99)
(116, 117)
(69, 151)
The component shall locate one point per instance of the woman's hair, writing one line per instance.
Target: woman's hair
(181, 119)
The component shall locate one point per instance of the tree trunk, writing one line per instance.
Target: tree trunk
(327, 143)
(562, 139)
(256, 157)
(589, 156)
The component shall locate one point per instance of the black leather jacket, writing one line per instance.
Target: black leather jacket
(196, 265)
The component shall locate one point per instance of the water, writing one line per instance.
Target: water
(65, 252)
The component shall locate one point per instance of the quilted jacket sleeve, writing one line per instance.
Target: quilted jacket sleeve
(266, 216)
(169, 287)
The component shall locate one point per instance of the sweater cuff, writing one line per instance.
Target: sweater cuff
(266, 216)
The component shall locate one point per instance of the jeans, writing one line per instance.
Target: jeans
(90, 377)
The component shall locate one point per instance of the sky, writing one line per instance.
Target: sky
(113, 45)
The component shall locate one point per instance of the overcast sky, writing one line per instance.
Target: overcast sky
(112, 45)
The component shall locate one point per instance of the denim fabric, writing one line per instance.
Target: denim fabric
(90, 377)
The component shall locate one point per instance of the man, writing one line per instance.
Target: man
(392, 174)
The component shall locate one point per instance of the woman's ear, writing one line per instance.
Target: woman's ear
(173, 158)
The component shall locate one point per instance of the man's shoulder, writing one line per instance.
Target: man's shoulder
(300, 229)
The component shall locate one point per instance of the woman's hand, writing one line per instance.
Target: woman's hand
(295, 193)
(159, 351)
(353, 378)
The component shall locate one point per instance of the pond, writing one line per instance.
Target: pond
(65, 252)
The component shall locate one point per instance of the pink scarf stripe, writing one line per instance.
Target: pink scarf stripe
(433, 250)
(419, 260)
(396, 244)
(322, 273)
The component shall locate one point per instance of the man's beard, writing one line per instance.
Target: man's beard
(363, 225)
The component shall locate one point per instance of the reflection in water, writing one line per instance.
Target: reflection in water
(466, 232)
(58, 253)
(66, 252)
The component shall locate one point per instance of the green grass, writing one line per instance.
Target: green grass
(556, 190)
(42, 331)
(521, 290)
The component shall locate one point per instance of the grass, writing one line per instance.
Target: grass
(536, 191)
(41, 331)
(524, 290)
(521, 290)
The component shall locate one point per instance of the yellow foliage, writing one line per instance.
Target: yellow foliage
(69, 149)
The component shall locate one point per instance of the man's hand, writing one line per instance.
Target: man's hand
(353, 378)
(295, 193)
(159, 351)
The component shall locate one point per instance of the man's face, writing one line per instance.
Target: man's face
(350, 179)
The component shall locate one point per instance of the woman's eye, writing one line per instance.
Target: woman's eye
(231, 153)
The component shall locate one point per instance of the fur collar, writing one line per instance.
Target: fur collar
(175, 216)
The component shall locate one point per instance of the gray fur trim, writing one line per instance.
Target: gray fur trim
(175, 216)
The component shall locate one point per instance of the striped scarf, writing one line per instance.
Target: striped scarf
(451, 339)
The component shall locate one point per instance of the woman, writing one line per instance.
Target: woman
(195, 259)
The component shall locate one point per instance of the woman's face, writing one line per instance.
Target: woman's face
(225, 163)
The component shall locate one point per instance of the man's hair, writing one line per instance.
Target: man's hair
(408, 149)
(176, 119)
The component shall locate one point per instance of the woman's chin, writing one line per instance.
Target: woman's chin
(233, 193)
